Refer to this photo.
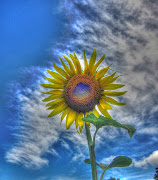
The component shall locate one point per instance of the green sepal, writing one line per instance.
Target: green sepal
(104, 121)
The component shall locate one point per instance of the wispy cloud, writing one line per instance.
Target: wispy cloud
(152, 159)
(36, 133)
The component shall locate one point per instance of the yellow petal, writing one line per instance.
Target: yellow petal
(96, 112)
(70, 118)
(101, 73)
(55, 106)
(104, 104)
(107, 79)
(54, 92)
(92, 59)
(104, 111)
(70, 65)
(76, 63)
(97, 64)
(80, 122)
(65, 112)
(58, 110)
(54, 103)
(52, 97)
(57, 76)
(76, 120)
(55, 81)
(53, 86)
(113, 93)
(112, 101)
(86, 67)
(112, 80)
(66, 68)
(60, 71)
(111, 86)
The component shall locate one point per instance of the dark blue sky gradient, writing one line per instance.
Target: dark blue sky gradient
(27, 32)
(28, 29)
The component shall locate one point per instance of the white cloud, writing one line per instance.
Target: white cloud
(146, 161)
(78, 156)
(107, 160)
(64, 178)
(148, 130)
(37, 133)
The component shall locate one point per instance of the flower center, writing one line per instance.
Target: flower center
(82, 93)
(81, 90)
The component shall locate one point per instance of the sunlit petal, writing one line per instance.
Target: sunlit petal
(76, 63)
(96, 113)
(101, 73)
(96, 65)
(112, 86)
(113, 93)
(57, 76)
(54, 92)
(112, 101)
(86, 68)
(104, 104)
(104, 111)
(66, 68)
(92, 60)
(57, 110)
(54, 103)
(53, 86)
(70, 118)
(70, 65)
(52, 97)
(55, 81)
(65, 112)
(61, 71)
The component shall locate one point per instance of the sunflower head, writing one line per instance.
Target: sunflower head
(76, 93)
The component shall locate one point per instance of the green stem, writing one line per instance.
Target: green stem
(92, 152)
(102, 174)
(94, 137)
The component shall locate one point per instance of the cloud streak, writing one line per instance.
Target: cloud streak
(152, 159)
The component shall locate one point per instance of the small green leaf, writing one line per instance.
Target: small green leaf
(104, 121)
(87, 161)
(120, 161)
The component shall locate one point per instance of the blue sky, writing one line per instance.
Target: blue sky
(33, 34)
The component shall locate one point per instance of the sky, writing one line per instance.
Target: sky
(33, 35)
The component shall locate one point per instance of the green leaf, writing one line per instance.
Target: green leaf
(87, 161)
(120, 161)
(104, 121)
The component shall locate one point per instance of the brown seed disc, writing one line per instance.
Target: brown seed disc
(82, 93)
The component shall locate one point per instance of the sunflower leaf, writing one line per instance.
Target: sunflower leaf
(120, 161)
(104, 121)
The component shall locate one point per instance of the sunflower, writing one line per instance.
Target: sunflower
(76, 93)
